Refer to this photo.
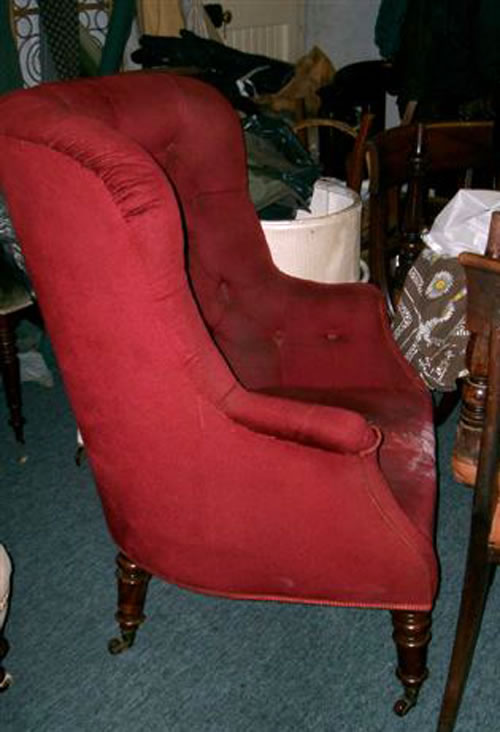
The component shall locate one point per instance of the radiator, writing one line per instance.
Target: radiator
(268, 40)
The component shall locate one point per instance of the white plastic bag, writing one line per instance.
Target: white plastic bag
(463, 224)
(33, 368)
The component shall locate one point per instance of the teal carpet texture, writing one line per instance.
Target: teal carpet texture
(199, 664)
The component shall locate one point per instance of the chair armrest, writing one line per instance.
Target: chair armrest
(329, 428)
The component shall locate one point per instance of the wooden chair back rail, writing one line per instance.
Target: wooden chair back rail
(357, 161)
(414, 211)
(319, 122)
(450, 146)
(414, 156)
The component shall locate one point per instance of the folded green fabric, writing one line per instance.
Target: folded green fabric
(90, 53)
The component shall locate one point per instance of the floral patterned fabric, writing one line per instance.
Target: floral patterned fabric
(429, 325)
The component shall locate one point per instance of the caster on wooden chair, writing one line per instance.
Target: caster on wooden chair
(5, 677)
(403, 705)
(119, 645)
(5, 681)
(80, 455)
(132, 586)
(412, 633)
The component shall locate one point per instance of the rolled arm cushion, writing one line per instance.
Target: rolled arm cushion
(315, 425)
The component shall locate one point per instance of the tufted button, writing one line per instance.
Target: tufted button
(332, 336)
(278, 337)
(223, 292)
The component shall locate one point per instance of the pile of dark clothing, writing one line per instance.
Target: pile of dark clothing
(240, 76)
(264, 91)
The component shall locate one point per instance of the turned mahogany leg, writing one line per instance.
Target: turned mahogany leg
(478, 576)
(132, 588)
(473, 411)
(412, 633)
(469, 429)
(9, 364)
(5, 678)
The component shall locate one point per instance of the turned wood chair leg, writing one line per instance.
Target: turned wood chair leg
(478, 576)
(9, 364)
(412, 634)
(132, 587)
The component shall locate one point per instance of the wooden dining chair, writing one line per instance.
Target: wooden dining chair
(339, 148)
(476, 460)
(414, 170)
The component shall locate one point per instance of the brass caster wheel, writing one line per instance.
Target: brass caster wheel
(118, 645)
(5, 682)
(80, 455)
(403, 706)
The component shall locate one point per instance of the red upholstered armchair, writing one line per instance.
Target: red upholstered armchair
(251, 435)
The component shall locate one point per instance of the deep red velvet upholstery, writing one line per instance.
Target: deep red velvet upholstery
(251, 434)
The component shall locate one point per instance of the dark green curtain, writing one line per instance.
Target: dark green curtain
(119, 27)
(10, 72)
(488, 42)
(447, 54)
(388, 24)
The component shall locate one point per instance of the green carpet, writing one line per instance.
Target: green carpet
(199, 664)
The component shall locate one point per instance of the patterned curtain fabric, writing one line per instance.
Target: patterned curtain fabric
(59, 24)
(10, 71)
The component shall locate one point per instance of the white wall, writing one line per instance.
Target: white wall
(343, 29)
